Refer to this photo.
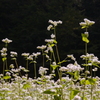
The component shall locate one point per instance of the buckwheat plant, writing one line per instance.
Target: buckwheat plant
(74, 82)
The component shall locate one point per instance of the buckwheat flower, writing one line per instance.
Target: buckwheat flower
(3, 50)
(5, 89)
(54, 63)
(30, 58)
(50, 49)
(50, 21)
(55, 23)
(52, 36)
(73, 68)
(6, 40)
(87, 23)
(3, 54)
(42, 70)
(11, 66)
(46, 51)
(77, 98)
(25, 54)
(7, 73)
(95, 69)
(49, 27)
(41, 47)
(48, 57)
(59, 22)
(13, 54)
(63, 69)
(28, 98)
(8, 98)
(36, 54)
(72, 57)
(87, 34)
(87, 72)
(82, 23)
(49, 40)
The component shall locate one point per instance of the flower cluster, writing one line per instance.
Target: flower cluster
(54, 23)
(86, 23)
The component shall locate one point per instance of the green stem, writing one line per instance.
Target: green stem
(56, 45)
(3, 67)
(27, 64)
(35, 69)
(16, 63)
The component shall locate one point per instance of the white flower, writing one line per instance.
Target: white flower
(55, 23)
(87, 72)
(63, 68)
(49, 27)
(7, 73)
(28, 98)
(42, 70)
(11, 66)
(86, 33)
(3, 50)
(30, 58)
(49, 40)
(95, 69)
(52, 36)
(25, 54)
(6, 40)
(50, 48)
(13, 54)
(41, 47)
(77, 98)
(73, 67)
(36, 54)
(87, 22)
(3, 54)
(72, 57)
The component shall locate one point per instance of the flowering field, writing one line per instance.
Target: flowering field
(75, 82)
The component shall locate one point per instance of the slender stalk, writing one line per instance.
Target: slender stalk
(56, 45)
(42, 58)
(3, 67)
(27, 64)
(16, 63)
(35, 74)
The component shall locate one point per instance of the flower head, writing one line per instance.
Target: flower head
(86, 23)
(6, 40)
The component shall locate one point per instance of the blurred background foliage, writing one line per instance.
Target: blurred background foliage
(25, 22)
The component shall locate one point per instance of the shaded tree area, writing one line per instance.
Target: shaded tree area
(25, 22)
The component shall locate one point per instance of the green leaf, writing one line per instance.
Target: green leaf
(74, 93)
(7, 70)
(52, 45)
(54, 66)
(27, 85)
(84, 38)
(62, 61)
(49, 92)
(82, 81)
(6, 77)
(84, 27)
(3, 59)
(70, 73)
(92, 80)
(76, 75)
(55, 41)
(57, 97)
(95, 65)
